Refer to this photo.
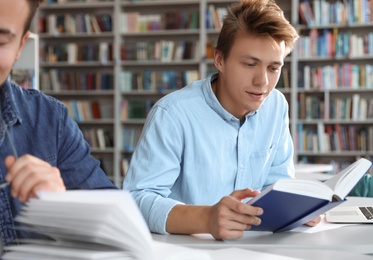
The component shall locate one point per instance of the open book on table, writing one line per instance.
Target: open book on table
(289, 203)
(94, 224)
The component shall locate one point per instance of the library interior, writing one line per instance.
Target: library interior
(110, 61)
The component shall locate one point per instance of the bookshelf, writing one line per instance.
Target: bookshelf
(130, 67)
(333, 65)
(77, 67)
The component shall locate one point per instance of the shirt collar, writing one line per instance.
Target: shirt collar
(214, 103)
(9, 107)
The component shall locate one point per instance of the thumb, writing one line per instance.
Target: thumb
(245, 193)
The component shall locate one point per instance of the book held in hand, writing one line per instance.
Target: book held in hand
(289, 203)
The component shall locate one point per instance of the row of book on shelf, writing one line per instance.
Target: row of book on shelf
(56, 24)
(334, 43)
(98, 137)
(61, 80)
(176, 20)
(136, 109)
(160, 81)
(336, 76)
(321, 12)
(352, 107)
(336, 138)
(161, 50)
(214, 16)
(77, 52)
(82, 110)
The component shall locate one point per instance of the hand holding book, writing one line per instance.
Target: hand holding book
(289, 203)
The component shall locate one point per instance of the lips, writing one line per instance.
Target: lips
(255, 95)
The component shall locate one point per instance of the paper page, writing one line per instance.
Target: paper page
(344, 181)
(125, 227)
(120, 198)
(308, 188)
(323, 225)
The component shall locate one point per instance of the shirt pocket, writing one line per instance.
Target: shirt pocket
(260, 162)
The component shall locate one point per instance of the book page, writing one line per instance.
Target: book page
(101, 216)
(345, 180)
(310, 188)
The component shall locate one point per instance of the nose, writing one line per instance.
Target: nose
(260, 77)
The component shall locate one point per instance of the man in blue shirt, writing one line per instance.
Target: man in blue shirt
(218, 141)
(53, 155)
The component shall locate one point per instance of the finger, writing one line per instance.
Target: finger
(314, 222)
(24, 178)
(245, 193)
(26, 188)
(242, 222)
(246, 215)
(9, 161)
(15, 165)
(241, 208)
(25, 167)
(236, 211)
(46, 179)
(52, 185)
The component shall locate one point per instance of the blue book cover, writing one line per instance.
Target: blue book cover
(289, 203)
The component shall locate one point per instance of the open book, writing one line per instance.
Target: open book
(289, 203)
(97, 224)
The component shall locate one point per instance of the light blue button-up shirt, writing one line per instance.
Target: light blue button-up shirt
(193, 151)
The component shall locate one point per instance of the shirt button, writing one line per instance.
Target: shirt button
(241, 166)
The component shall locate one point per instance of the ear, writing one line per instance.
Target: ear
(22, 45)
(218, 59)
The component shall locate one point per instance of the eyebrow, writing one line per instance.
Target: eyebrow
(256, 59)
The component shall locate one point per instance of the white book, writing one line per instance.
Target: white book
(363, 109)
(100, 138)
(104, 52)
(52, 24)
(72, 53)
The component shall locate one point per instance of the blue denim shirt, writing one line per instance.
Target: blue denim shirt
(194, 151)
(40, 126)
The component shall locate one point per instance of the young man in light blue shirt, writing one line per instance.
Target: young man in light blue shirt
(218, 141)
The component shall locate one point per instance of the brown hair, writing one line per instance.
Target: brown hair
(33, 5)
(258, 17)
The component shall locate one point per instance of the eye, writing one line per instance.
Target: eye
(3, 41)
(275, 69)
(250, 64)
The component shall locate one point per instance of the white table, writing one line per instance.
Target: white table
(349, 242)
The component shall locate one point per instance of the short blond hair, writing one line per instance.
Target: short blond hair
(259, 18)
